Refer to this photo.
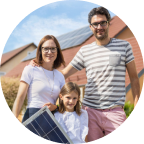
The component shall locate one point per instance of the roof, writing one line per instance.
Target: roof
(79, 36)
(116, 26)
(17, 71)
(32, 55)
(9, 55)
(74, 38)
(70, 53)
(69, 40)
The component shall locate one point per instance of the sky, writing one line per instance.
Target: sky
(56, 19)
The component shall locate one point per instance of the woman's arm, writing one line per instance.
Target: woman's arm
(23, 88)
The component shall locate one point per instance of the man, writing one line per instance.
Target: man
(106, 61)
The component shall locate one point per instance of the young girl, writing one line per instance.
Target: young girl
(73, 120)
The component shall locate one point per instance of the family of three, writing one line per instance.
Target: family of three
(105, 61)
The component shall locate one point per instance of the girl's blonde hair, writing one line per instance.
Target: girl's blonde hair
(67, 89)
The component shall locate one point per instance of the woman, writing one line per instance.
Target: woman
(41, 84)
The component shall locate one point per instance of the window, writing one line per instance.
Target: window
(2, 73)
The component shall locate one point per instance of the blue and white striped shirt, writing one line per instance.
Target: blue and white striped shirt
(105, 70)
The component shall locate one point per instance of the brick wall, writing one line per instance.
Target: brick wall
(137, 55)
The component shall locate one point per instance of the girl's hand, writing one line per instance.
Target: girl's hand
(50, 106)
(32, 63)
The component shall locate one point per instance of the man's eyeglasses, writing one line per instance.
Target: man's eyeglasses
(102, 23)
(47, 49)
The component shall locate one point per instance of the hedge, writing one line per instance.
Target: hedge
(10, 88)
(128, 108)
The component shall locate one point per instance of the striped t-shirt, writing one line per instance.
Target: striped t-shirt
(105, 69)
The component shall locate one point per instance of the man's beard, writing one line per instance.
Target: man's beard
(101, 37)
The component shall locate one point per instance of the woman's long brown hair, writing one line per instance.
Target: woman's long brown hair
(59, 60)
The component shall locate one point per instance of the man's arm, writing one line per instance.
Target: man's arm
(68, 71)
(131, 68)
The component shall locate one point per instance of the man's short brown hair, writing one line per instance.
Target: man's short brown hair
(99, 10)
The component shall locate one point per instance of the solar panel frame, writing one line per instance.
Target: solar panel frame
(32, 120)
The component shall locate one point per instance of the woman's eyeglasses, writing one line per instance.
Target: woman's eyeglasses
(47, 49)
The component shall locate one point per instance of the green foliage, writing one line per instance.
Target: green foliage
(128, 108)
(10, 88)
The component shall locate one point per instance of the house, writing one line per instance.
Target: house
(139, 66)
(71, 42)
(11, 59)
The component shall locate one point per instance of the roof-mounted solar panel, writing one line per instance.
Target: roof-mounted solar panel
(68, 40)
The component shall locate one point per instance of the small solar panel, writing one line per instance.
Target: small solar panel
(44, 124)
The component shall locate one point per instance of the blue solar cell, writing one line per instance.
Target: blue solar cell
(45, 137)
(47, 117)
(31, 128)
(53, 136)
(45, 125)
(61, 135)
(38, 128)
